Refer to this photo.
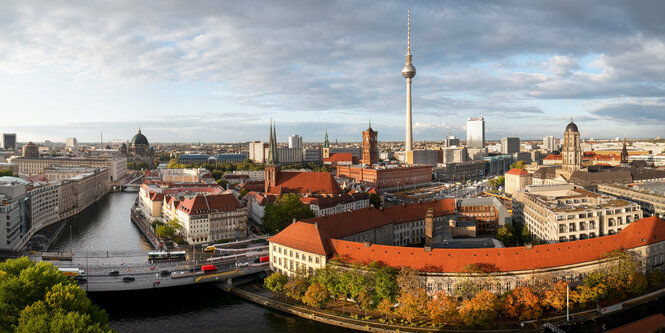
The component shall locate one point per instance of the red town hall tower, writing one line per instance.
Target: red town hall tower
(370, 149)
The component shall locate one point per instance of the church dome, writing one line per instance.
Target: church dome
(571, 127)
(139, 139)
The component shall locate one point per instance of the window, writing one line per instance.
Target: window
(450, 287)
(291, 253)
(317, 260)
(297, 255)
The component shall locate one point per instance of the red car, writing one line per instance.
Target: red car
(208, 268)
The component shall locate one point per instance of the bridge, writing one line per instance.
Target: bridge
(148, 274)
(130, 181)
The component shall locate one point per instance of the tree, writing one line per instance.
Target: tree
(517, 165)
(329, 277)
(412, 304)
(555, 298)
(168, 230)
(412, 296)
(375, 200)
(443, 309)
(275, 282)
(243, 192)
(526, 235)
(280, 214)
(385, 284)
(6, 173)
(481, 310)
(316, 296)
(522, 303)
(655, 278)
(385, 307)
(506, 235)
(36, 297)
(296, 287)
(474, 280)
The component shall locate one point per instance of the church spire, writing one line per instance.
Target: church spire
(272, 145)
(326, 144)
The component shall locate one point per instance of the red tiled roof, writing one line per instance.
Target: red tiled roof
(645, 231)
(349, 223)
(305, 182)
(203, 204)
(518, 172)
(303, 236)
(553, 157)
(416, 212)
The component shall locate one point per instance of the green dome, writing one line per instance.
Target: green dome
(139, 139)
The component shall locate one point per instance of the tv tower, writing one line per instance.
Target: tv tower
(408, 72)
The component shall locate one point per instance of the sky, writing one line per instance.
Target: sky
(218, 71)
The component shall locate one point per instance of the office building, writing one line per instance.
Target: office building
(549, 143)
(295, 141)
(33, 166)
(510, 146)
(451, 141)
(475, 133)
(257, 151)
(72, 143)
(389, 177)
(9, 141)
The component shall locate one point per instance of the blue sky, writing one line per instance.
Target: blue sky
(217, 71)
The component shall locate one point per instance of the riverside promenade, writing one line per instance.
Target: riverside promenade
(630, 310)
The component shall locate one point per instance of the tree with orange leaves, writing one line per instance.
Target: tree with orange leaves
(481, 310)
(443, 309)
(555, 298)
(412, 304)
(522, 303)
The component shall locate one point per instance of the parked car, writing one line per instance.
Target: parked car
(165, 273)
(177, 274)
(114, 273)
(128, 278)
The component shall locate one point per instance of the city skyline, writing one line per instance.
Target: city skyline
(217, 73)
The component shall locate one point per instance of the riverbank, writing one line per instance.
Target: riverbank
(254, 293)
(587, 320)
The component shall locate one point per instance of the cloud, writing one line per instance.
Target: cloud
(502, 60)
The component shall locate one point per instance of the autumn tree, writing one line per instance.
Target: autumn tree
(480, 310)
(443, 309)
(297, 287)
(655, 278)
(518, 165)
(555, 297)
(385, 307)
(522, 303)
(412, 296)
(316, 296)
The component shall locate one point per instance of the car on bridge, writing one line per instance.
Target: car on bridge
(208, 268)
(165, 273)
(114, 273)
(128, 278)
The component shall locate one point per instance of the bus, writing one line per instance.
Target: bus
(177, 255)
(158, 255)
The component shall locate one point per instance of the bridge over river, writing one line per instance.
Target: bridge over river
(148, 275)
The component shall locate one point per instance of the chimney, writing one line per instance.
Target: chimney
(528, 246)
(367, 243)
(429, 227)
(294, 220)
(316, 225)
(428, 249)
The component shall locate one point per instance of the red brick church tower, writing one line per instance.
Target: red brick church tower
(370, 149)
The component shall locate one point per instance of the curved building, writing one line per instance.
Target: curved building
(139, 144)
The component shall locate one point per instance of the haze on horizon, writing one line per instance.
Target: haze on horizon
(214, 71)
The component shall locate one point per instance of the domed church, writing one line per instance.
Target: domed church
(139, 145)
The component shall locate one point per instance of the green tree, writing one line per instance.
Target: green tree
(517, 165)
(276, 282)
(297, 287)
(38, 298)
(506, 235)
(6, 173)
(385, 284)
(169, 230)
(526, 235)
(280, 214)
(242, 193)
(375, 200)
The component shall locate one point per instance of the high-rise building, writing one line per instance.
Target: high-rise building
(549, 143)
(409, 71)
(295, 141)
(9, 141)
(370, 149)
(571, 151)
(257, 151)
(72, 143)
(475, 132)
(510, 145)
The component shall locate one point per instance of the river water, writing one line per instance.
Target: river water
(105, 226)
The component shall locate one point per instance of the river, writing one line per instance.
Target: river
(105, 226)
